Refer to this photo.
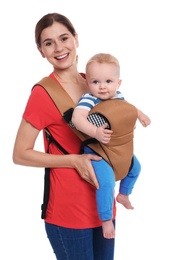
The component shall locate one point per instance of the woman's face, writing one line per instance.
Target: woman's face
(58, 46)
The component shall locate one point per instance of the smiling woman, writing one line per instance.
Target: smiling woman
(139, 34)
(71, 213)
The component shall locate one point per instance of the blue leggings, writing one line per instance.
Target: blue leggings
(106, 178)
(80, 244)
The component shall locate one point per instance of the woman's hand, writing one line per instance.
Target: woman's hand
(83, 165)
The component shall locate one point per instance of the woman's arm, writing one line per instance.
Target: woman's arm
(24, 154)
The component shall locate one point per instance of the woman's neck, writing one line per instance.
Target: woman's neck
(74, 84)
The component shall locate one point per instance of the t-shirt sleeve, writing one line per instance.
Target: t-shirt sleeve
(119, 95)
(86, 102)
(40, 110)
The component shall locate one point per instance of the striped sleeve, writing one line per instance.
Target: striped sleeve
(87, 101)
(119, 95)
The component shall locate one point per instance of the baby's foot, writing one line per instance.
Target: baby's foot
(124, 200)
(108, 229)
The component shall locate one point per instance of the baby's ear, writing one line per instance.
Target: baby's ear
(119, 83)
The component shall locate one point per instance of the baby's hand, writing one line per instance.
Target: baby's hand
(103, 134)
(144, 119)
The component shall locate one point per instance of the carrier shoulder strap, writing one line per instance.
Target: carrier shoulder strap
(61, 99)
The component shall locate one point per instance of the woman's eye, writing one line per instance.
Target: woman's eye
(48, 43)
(64, 39)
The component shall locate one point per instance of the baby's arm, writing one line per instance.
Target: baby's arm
(143, 119)
(80, 121)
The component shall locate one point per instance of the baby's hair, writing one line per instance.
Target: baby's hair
(104, 58)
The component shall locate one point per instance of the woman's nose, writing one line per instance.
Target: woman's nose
(58, 46)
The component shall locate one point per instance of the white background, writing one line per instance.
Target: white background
(139, 33)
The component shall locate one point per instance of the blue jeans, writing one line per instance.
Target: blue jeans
(79, 244)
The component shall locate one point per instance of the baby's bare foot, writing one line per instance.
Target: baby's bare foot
(108, 229)
(124, 200)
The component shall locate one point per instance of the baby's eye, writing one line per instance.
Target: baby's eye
(108, 81)
(95, 82)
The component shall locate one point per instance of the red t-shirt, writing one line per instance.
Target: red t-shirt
(72, 201)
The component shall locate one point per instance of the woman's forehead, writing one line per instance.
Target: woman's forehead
(54, 31)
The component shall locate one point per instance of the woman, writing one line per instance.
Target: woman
(72, 222)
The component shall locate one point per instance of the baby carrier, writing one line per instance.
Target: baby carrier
(120, 116)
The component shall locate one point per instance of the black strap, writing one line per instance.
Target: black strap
(46, 192)
(50, 139)
(47, 174)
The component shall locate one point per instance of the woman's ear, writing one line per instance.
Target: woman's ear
(42, 53)
(77, 41)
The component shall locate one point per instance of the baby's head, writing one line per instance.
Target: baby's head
(103, 75)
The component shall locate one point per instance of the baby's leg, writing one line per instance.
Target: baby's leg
(124, 200)
(105, 196)
(127, 184)
(108, 229)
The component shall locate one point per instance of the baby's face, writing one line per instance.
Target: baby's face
(102, 80)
